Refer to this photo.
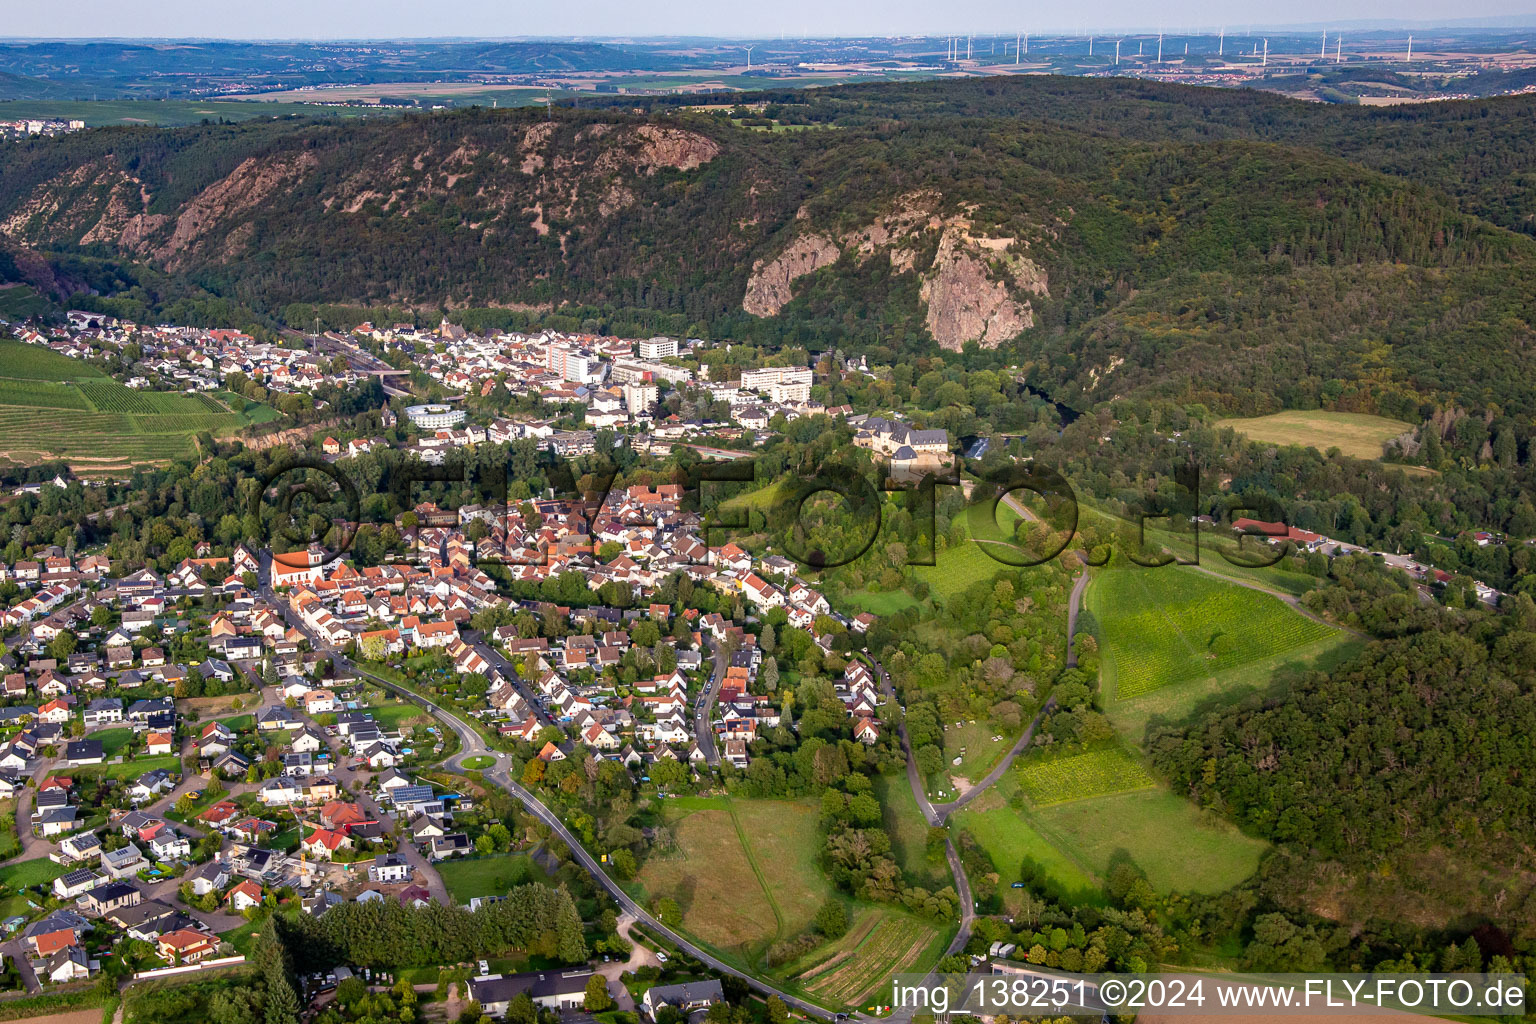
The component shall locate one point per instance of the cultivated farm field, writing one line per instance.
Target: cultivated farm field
(768, 849)
(878, 944)
(1168, 625)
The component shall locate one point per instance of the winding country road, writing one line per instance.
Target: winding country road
(473, 745)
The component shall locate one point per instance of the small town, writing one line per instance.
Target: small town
(708, 515)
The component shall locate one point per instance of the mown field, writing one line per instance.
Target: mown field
(1010, 840)
(767, 849)
(1163, 626)
(905, 825)
(1178, 846)
(1073, 841)
(1356, 434)
(167, 113)
(467, 878)
(52, 406)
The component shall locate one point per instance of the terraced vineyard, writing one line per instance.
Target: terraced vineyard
(33, 362)
(1168, 625)
(1079, 776)
(54, 407)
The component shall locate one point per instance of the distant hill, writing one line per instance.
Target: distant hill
(1222, 247)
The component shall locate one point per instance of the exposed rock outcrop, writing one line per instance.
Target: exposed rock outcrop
(771, 283)
(243, 190)
(967, 301)
(972, 286)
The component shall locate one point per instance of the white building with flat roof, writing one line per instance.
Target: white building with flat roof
(434, 417)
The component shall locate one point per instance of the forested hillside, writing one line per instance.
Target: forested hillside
(1233, 249)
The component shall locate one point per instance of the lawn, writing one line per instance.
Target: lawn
(113, 740)
(469, 877)
(1163, 626)
(24, 873)
(768, 849)
(1058, 780)
(131, 769)
(879, 943)
(478, 761)
(1178, 846)
(1356, 434)
(391, 716)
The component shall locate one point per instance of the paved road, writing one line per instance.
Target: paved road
(502, 665)
(703, 712)
(472, 745)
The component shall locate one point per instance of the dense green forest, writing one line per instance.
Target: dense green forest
(1234, 249)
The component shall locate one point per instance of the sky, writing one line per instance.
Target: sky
(383, 19)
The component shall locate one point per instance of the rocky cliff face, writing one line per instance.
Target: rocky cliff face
(502, 179)
(973, 290)
(771, 283)
(975, 287)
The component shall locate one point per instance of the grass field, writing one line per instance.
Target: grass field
(1163, 626)
(52, 406)
(467, 878)
(478, 761)
(1009, 840)
(768, 849)
(113, 740)
(878, 944)
(959, 566)
(905, 825)
(1356, 434)
(1178, 846)
(1057, 780)
(972, 743)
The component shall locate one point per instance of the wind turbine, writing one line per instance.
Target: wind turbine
(1117, 53)
(1322, 53)
(1266, 53)
(1410, 49)
(1221, 43)
(1016, 37)
(1090, 46)
(1338, 49)
(1159, 47)
(749, 57)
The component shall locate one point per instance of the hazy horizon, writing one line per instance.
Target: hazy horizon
(597, 20)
